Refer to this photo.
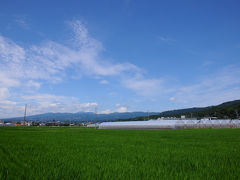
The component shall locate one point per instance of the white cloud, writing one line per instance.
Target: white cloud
(7, 107)
(106, 111)
(172, 99)
(4, 93)
(34, 84)
(50, 61)
(10, 109)
(42, 103)
(7, 103)
(10, 52)
(121, 108)
(7, 81)
(104, 82)
(144, 86)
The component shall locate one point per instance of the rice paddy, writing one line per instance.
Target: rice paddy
(86, 153)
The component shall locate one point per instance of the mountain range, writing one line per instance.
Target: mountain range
(229, 109)
(82, 116)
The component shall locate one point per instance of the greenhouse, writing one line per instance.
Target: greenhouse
(171, 124)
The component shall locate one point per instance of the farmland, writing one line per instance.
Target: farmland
(86, 153)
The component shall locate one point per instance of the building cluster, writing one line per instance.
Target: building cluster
(35, 123)
(160, 123)
(183, 117)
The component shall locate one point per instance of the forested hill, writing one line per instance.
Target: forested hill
(229, 109)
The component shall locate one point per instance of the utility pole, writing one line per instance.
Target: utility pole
(25, 114)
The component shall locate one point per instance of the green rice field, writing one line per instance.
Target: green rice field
(88, 153)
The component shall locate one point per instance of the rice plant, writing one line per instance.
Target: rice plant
(86, 153)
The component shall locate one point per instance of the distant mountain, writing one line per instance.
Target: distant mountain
(225, 110)
(229, 109)
(82, 116)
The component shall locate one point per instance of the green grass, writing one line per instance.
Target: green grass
(85, 153)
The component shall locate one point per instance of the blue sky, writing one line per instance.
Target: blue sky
(120, 56)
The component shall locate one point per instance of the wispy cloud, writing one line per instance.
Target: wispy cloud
(208, 63)
(4, 93)
(166, 39)
(21, 21)
(144, 86)
(33, 84)
(223, 85)
(49, 62)
(104, 82)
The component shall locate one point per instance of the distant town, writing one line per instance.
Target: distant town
(49, 123)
